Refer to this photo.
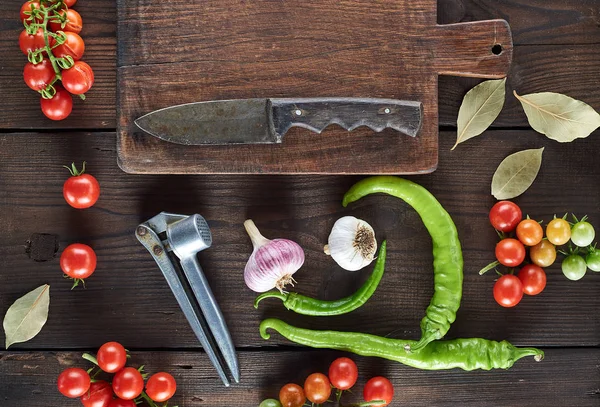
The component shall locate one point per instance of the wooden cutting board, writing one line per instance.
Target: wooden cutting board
(181, 51)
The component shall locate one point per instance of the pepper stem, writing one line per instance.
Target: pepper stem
(257, 238)
(270, 294)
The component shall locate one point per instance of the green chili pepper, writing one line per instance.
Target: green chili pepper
(466, 354)
(311, 306)
(447, 254)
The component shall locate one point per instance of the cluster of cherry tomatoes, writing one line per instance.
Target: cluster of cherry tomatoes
(506, 217)
(80, 190)
(54, 48)
(343, 374)
(127, 383)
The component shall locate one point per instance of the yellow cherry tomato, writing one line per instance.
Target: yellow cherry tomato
(558, 231)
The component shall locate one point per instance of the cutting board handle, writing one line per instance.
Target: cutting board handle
(480, 49)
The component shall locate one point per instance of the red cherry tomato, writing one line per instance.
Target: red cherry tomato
(60, 106)
(122, 403)
(73, 382)
(161, 387)
(510, 252)
(78, 261)
(128, 383)
(529, 232)
(81, 190)
(533, 279)
(73, 46)
(111, 357)
(343, 373)
(70, 3)
(79, 78)
(508, 290)
(74, 22)
(39, 76)
(28, 6)
(379, 388)
(317, 388)
(505, 216)
(99, 395)
(31, 42)
(292, 395)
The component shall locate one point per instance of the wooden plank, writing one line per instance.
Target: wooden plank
(128, 300)
(327, 49)
(26, 377)
(533, 22)
(21, 105)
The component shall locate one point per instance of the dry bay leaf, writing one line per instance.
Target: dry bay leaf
(26, 317)
(480, 107)
(558, 116)
(516, 173)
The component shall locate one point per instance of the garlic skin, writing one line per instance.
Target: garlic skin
(272, 262)
(351, 243)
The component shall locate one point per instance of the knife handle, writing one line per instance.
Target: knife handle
(316, 114)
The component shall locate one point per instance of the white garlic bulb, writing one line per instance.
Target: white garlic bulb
(351, 243)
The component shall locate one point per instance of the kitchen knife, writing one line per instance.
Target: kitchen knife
(255, 121)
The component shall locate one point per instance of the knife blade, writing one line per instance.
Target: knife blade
(260, 121)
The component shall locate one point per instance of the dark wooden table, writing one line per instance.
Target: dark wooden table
(127, 299)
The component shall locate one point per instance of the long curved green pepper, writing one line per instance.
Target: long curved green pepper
(447, 254)
(466, 354)
(310, 306)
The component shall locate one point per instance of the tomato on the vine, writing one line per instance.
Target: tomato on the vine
(317, 388)
(70, 3)
(508, 290)
(111, 357)
(79, 78)
(60, 106)
(74, 22)
(31, 42)
(161, 387)
(574, 267)
(533, 279)
(122, 403)
(379, 388)
(343, 373)
(505, 215)
(558, 231)
(39, 76)
(81, 190)
(292, 395)
(73, 382)
(73, 46)
(529, 232)
(100, 394)
(28, 6)
(510, 252)
(78, 261)
(582, 234)
(593, 260)
(270, 403)
(128, 383)
(543, 254)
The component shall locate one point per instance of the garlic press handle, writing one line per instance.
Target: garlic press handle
(212, 313)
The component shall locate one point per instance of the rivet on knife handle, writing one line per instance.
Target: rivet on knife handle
(263, 121)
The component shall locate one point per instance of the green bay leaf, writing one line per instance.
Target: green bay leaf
(480, 107)
(558, 116)
(26, 317)
(516, 173)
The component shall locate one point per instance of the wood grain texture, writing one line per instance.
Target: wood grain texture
(27, 378)
(268, 49)
(533, 22)
(21, 105)
(130, 301)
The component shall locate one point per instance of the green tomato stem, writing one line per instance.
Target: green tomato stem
(90, 357)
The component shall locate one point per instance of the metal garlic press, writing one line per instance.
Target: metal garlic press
(174, 241)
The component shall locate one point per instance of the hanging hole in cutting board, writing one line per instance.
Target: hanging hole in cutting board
(497, 49)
